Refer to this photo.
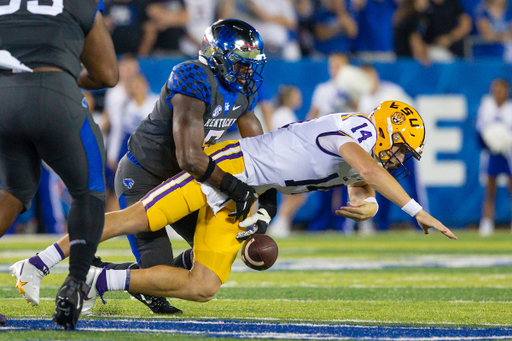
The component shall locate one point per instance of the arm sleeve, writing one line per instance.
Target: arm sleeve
(252, 103)
(332, 143)
(353, 128)
(86, 13)
(191, 80)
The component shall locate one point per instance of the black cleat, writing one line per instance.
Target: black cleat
(69, 301)
(158, 305)
(97, 262)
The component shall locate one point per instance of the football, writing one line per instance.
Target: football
(259, 252)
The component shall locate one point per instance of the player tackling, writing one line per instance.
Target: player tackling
(334, 150)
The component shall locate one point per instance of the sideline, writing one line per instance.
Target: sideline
(266, 330)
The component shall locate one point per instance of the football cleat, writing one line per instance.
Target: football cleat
(69, 301)
(28, 277)
(158, 305)
(97, 285)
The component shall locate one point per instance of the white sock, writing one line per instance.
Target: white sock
(51, 255)
(116, 279)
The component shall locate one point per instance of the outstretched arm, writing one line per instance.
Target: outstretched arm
(362, 205)
(381, 181)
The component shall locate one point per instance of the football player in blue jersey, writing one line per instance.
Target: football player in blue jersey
(199, 102)
(63, 45)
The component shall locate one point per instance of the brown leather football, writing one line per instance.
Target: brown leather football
(259, 252)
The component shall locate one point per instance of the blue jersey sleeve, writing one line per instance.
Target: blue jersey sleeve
(252, 102)
(191, 80)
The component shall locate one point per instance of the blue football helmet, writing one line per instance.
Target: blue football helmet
(234, 50)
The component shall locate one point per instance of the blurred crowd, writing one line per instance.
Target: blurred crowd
(427, 30)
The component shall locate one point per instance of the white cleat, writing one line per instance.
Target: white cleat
(92, 294)
(28, 280)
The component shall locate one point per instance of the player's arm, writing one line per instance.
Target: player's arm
(381, 181)
(248, 125)
(99, 58)
(188, 134)
(362, 205)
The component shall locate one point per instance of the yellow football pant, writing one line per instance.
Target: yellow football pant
(215, 243)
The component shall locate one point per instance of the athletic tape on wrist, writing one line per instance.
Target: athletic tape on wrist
(372, 199)
(209, 171)
(412, 208)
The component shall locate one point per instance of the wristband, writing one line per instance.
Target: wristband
(208, 172)
(412, 208)
(372, 199)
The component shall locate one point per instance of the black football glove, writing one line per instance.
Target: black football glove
(242, 194)
(256, 224)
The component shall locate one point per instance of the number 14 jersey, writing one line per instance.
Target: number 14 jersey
(304, 156)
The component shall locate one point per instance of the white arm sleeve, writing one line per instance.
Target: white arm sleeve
(332, 143)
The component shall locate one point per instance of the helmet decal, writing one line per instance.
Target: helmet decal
(397, 118)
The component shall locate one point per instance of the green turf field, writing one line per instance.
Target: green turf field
(473, 295)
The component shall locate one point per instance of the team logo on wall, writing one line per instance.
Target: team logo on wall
(398, 118)
(128, 183)
(217, 111)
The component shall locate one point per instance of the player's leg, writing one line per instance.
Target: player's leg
(73, 147)
(215, 249)
(496, 165)
(215, 243)
(18, 157)
(132, 182)
(10, 208)
(20, 165)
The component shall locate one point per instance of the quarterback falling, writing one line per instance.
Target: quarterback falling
(334, 150)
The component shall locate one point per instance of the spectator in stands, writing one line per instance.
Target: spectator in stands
(167, 20)
(338, 94)
(334, 27)
(201, 14)
(447, 27)
(289, 99)
(275, 20)
(494, 124)
(305, 15)
(494, 25)
(385, 91)
(410, 25)
(140, 104)
(116, 100)
(327, 97)
(124, 20)
(374, 20)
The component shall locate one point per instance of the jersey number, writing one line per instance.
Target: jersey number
(213, 135)
(364, 133)
(33, 7)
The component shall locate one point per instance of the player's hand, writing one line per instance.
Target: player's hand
(255, 224)
(358, 210)
(242, 194)
(426, 221)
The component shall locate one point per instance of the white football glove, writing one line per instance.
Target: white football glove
(255, 224)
